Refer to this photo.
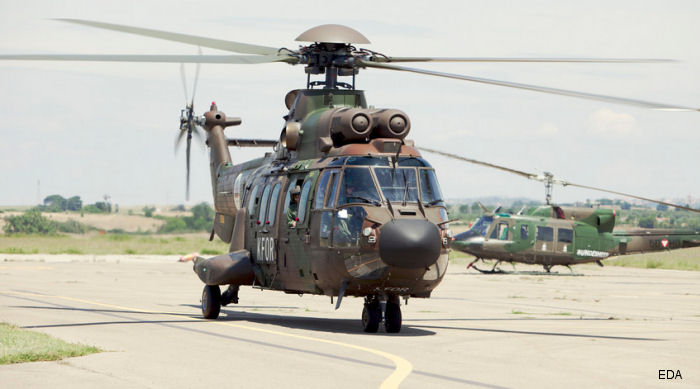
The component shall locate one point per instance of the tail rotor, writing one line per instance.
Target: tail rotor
(188, 122)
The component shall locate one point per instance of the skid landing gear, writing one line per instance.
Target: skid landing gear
(375, 311)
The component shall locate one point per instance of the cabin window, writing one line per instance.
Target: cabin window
(545, 234)
(347, 226)
(263, 205)
(429, 189)
(272, 212)
(565, 235)
(398, 184)
(500, 232)
(303, 201)
(238, 188)
(357, 186)
(251, 201)
(524, 229)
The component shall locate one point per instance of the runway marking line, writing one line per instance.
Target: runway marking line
(402, 370)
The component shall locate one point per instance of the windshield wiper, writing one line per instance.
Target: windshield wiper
(365, 199)
(430, 204)
(405, 192)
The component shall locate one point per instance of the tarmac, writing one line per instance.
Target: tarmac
(605, 327)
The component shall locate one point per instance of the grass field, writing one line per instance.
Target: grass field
(18, 346)
(95, 243)
(683, 259)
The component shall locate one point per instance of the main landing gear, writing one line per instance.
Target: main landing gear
(376, 309)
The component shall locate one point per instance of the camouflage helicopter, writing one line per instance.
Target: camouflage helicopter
(344, 205)
(551, 235)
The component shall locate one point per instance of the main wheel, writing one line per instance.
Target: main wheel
(392, 317)
(211, 301)
(371, 316)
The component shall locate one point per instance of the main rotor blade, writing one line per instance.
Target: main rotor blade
(236, 47)
(632, 196)
(554, 181)
(563, 92)
(224, 59)
(474, 161)
(381, 59)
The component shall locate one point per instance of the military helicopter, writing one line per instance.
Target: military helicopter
(370, 220)
(551, 235)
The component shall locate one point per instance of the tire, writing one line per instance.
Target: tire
(392, 317)
(211, 301)
(371, 316)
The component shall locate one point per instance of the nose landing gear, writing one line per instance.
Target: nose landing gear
(378, 309)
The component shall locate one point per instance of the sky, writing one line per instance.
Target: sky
(90, 129)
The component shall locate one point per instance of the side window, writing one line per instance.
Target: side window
(565, 235)
(500, 232)
(251, 201)
(325, 232)
(272, 211)
(303, 201)
(263, 205)
(321, 193)
(331, 189)
(524, 231)
(545, 234)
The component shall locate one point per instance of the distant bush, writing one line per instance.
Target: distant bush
(201, 220)
(148, 211)
(31, 222)
(173, 224)
(71, 226)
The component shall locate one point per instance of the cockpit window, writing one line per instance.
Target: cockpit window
(357, 186)
(413, 161)
(371, 161)
(429, 189)
(482, 225)
(398, 184)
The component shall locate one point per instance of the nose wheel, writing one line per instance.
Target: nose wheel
(375, 311)
(211, 301)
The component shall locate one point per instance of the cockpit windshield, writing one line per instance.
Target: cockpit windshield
(482, 225)
(357, 186)
(398, 184)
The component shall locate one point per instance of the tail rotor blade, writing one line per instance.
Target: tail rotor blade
(196, 77)
(189, 147)
(184, 81)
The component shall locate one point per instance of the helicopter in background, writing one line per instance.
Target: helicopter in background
(369, 221)
(550, 235)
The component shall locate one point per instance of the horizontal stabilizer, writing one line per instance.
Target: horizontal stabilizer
(252, 142)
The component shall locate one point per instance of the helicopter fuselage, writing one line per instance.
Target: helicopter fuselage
(577, 235)
(370, 220)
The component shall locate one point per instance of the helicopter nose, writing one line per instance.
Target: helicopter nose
(471, 245)
(409, 243)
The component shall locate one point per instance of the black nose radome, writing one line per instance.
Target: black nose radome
(409, 243)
